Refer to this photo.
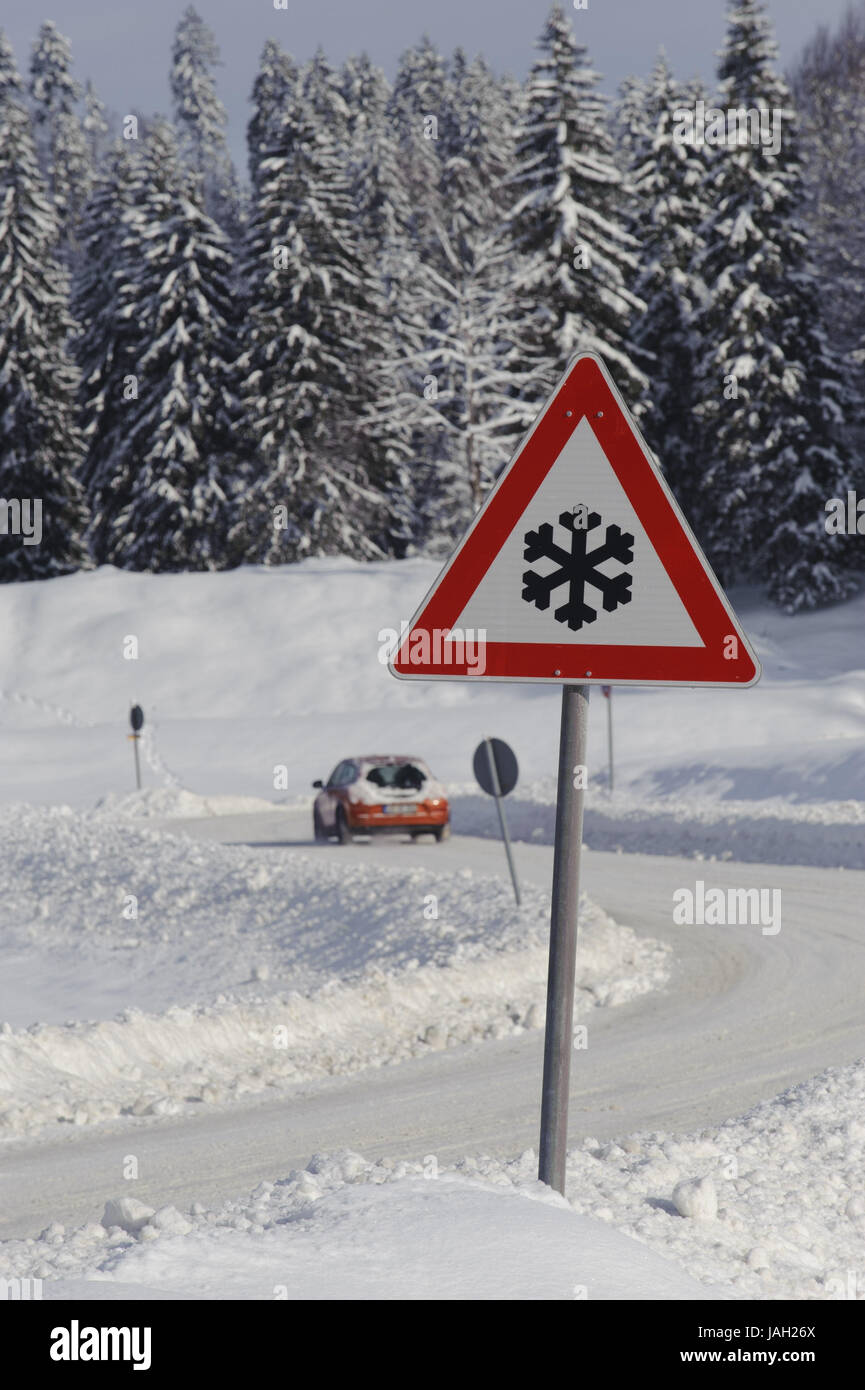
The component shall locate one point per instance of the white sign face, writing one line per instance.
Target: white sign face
(654, 614)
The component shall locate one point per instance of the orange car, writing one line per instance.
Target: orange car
(380, 795)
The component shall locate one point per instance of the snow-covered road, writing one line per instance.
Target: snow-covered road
(745, 1014)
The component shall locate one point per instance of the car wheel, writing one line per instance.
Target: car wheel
(342, 830)
(318, 829)
(443, 832)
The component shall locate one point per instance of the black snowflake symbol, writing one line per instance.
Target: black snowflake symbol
(578, 568)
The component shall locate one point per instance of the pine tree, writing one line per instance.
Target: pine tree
(95, 126)
(201, 118)
(273, 92)
(418, 110)
(463, 299)
(302, 360)
(668, 178)
(61, 143)
(387, 398)
(40, 446)
(771, 403)
(106, 346)
(161, 501)
(567, 217)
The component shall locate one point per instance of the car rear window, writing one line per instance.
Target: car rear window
(400, 776)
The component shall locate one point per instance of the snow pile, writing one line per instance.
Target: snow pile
(767, 1206)
(827, 834)
(770, 1205)
(344, 1228)
(236, 971)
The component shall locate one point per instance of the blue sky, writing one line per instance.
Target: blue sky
(124, 45)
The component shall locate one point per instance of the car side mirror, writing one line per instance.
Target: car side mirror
(318, 782)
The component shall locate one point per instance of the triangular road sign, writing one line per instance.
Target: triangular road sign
(579, 567)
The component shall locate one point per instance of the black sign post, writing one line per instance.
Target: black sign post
(136, 719)
(495, 767)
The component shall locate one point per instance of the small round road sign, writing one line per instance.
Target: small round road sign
(136, 718)
(505, 765)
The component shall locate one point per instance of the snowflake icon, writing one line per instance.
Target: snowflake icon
(578, 567)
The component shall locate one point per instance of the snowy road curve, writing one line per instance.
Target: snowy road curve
(744, 1015)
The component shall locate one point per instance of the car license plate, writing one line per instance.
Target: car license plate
(403, 810)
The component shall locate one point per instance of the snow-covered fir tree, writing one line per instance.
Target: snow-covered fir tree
(382, 220)
(567, 217)
(302, 362)
(273, 92)
(161, 500)
(106, 345)
(61, 143)
(201, 118)
(463, 307)
(668, 178)
(418, 110)
(40, 444)
(95, 126)
(770, 400)
(828, 82)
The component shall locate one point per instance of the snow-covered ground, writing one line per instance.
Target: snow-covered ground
(152, 972)
(769, 1205)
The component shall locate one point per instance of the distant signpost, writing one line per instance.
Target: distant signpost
(136, 719)
(495, 767)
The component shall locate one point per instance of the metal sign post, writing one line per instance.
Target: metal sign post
(136, 719)
(559, 1039)
(608, 694)
(491, 748)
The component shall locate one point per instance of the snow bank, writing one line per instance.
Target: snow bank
(234, 971)
(176, 803)
(344, 1228)
(767, 1206)
(789, 1185)
(825, 834)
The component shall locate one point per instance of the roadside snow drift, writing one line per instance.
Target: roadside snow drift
(234, 971)
(347, 1229)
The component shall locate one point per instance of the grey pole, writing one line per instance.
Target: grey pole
(137, 763)
(559, 1039)
(497, 792)
(610, 734)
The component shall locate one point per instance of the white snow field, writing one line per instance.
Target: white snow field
(187, 979)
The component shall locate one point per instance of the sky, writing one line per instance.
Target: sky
(124, 46)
